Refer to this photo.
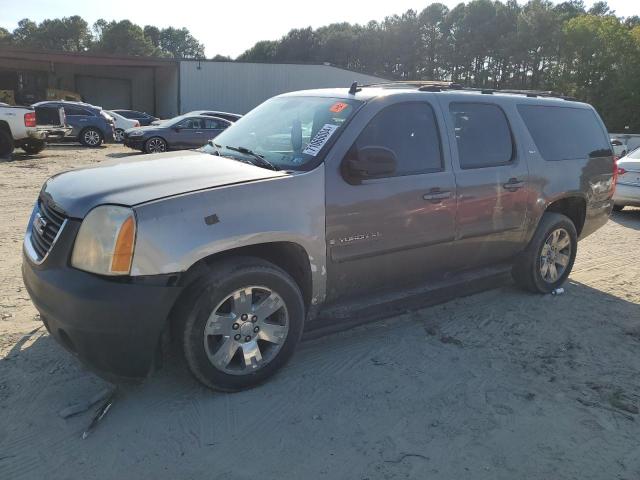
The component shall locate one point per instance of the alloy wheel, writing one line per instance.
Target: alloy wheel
(555, 255)
(246, 330)
(92, 138)
(119, 135)
(156, 145)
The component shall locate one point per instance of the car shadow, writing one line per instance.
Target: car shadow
(495, 363)
(123, 154)
(629, 217)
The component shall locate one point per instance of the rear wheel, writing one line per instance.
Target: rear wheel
(618, 208)
(33, 147)
(91, 137)
(118, 135)
(241, 323)
(6, 144)
(155, 145)
(548, 259)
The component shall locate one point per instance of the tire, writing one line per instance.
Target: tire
(618, 208)
(221, 349)
(6, 144)
(155, 145)
(118, 135)
(529, 271)
(91, 137)
(34, 147)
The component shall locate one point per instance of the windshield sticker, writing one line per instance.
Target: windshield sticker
(338, 107)
(323, 135)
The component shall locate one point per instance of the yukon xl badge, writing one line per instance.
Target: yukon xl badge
(39, 224)
(358, 237)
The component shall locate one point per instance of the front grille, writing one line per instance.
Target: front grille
(46, 226)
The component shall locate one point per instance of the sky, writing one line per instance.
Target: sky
(231, 27)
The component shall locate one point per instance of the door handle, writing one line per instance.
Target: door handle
(513, 184)
(436, 195)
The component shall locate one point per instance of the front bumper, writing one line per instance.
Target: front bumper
(112, 325)
(134, 142)
(627, 195)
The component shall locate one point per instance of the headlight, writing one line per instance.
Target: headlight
(106, 241)
(135, 133)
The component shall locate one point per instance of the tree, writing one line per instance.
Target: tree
(123, 37)
(179, 43)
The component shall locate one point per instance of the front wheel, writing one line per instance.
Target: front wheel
(91, 137)
(34, 147)
(241, 323)
(548, 259)
(155, 145)
(6, 144)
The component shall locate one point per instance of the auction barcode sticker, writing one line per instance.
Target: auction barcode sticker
(323, 135)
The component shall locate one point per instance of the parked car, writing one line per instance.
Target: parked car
(90, 125)
(232, 117)
(19, 128)
(142, 117)
(379, 193)
(121, 124)
(628, 181)
(179, 133)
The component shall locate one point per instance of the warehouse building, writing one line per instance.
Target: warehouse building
(162, 87)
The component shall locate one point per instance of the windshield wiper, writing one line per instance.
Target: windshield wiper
(260, 160)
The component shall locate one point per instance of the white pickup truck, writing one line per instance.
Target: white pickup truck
(20, 128)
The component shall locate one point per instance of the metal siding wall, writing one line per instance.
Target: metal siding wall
(239, 87)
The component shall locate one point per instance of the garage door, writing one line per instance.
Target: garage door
(109, 93)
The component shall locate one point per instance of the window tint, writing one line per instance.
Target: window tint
(69, 110)
(194, 123)
(411, 132)
(212, 123)
(482, 134)
(564, 133)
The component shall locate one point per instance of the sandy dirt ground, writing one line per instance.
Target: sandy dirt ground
(499, 385)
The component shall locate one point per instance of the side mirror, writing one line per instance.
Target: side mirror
(369, 162)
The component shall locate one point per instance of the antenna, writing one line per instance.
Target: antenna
(354, 88)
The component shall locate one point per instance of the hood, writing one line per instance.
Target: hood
(144, 178)
(145, 129)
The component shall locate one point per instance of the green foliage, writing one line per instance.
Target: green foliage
(592, 55)
(72, 34)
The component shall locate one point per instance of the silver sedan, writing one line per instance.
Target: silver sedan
(628, 183)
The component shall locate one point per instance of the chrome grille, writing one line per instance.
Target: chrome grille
(46, 225)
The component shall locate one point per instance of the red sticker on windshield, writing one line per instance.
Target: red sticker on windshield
(338, 107)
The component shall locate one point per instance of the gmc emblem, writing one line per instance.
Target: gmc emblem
(39, 224)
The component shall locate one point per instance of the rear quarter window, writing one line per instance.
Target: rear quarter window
(565, 133)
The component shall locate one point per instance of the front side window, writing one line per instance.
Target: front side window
(411, 132)
(291, 133)
(191, 123)
(213, 124)
(482, 134)
(565, 133)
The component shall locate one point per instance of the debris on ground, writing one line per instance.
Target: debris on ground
(80, 407)
(100, 413)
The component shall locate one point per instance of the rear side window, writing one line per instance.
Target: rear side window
(482, 134)
(213, 124)
(565, 133)
(411, 132)
(69, 110)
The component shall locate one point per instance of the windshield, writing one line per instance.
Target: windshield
(287, 132)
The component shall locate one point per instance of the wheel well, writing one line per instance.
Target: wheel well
(573, 207)
(4, 126)
(289, 256)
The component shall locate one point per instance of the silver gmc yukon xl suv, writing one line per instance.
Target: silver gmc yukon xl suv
(315, 203)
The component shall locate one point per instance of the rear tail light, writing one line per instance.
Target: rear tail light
(30, 119)
(621, 171)
(616, 172)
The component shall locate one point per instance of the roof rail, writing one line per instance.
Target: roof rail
(438, 86)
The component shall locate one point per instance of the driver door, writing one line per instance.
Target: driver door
(384, 233)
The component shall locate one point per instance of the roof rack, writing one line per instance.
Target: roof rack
(438, 86)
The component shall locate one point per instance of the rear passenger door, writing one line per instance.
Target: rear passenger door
(395, 230)
(77, 118)
(491, 178)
